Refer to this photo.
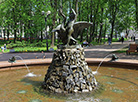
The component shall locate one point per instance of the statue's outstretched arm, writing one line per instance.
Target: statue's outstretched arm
(64, 21)
(74, 13)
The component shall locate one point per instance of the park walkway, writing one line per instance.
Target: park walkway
(98, 51)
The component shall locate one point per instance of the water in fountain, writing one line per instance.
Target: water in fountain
(95, 72)
(30, 74)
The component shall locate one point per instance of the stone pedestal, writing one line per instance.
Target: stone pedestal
(69, 72)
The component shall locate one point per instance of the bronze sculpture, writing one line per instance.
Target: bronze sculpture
(68, 71)
(68, 32)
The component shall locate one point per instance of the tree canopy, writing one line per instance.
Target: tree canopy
(109, 17)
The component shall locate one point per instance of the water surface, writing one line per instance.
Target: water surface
(116, 85)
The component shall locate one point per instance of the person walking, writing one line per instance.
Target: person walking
(122, 39)
(134, 38)
(109, 40)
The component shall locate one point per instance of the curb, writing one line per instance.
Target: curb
(121, 63)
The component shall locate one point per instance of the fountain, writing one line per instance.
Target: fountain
(114, 58)
(13, 60)
(116, 82)
(69, 72)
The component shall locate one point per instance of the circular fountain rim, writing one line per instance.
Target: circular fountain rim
(121, 63)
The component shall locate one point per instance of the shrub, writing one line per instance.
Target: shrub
(39, 44)
(17, 44)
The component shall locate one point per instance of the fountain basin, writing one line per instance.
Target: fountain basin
(123, 63)
(117, 84)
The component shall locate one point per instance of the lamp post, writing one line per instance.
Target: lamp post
(46, 14)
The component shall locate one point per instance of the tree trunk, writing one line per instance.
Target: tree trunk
(8, 33)
(94, 24)
(96, 31)
(21, 31)
(101, 25)
(112, 28)
(25, 37)
(15, 32)
(53, 36)
(76, 9)
(100, 33)
(54, 19)
(79, 12)
(87, 36)
(41, 35)
(14, 27)
(114, 11)
(105, 30)
(136, 3)
(92, 27)
(4, 33)
(29, 33)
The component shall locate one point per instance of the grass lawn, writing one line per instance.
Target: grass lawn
(28, 49)
(25, 46)
(121, 50)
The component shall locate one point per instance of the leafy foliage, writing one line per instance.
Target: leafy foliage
(24, 18)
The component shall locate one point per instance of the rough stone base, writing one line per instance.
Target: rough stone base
(69, 72)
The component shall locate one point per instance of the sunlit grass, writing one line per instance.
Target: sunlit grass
(121, 50)
(28, 49)
(25, 46)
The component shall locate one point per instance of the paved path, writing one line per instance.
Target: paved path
(99, 51)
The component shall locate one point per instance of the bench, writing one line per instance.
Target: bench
(132, 48)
